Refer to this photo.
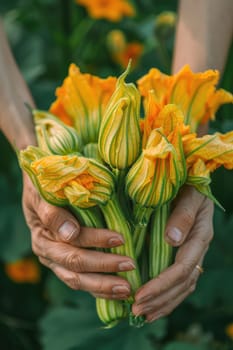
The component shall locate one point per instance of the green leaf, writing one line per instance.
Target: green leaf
(65, 328)
(177, 345)
(14, 234)
(215, 288)
(58, 292)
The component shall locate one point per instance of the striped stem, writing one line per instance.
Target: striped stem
(142, 217)
(160, 253)
(110, 312)
(116, 221)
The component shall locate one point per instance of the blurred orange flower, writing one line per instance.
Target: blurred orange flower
(121, 51)
(132, 51)
(112, 10)
(229, 331)
(23, 271)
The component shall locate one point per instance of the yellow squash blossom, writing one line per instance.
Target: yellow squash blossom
(112, 10)
(194, 93)
(23, 271)
(204, 155)
(58, 109)
(171, 119)
(215, 150)
(119, 136)
(158, 82)
(156, 176)
(53, 135)
(71, 179)
(83, 97)
(153, 179)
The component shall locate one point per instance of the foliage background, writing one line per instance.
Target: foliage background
(46, 35)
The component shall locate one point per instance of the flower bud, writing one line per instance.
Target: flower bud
(54, 136)
(154, 179)
(120, 137)
(165, 24)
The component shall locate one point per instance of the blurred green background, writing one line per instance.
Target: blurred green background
(37, 311)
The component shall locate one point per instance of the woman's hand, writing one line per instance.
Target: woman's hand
(62, 245)
(189, 228)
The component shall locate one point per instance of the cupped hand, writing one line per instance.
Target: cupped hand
(63, 246)
(190, 228)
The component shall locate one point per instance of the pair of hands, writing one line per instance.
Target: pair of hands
(61, 244)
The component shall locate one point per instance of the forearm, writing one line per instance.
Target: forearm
(203, 36)
(15, 118)
(204, 33)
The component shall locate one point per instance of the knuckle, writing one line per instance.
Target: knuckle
(73, 281)
(49, 214)
(163, 284)
(74, 262)
(187, 216)
(204, 241)
(100, 288)
(184, 272)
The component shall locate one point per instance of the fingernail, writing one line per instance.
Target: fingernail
(174, 234)
(126, 266)
(121, 290)
(67, 230)
(115, 241)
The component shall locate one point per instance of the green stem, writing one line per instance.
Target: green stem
(116, 221)
(81, 32)
(142, 217)
(90, 217)
(160, 253)
(164, 56)
(122, 196)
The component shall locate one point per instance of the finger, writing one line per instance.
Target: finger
(187, 257)
(94, 237)
(111, 287)
(156, 303)
(166, 304)
(60, 224)
(167, 309)
(111, 296)
(81, 260)
(183, 215)
(89, 237)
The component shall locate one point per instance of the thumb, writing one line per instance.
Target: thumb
(59, 222)
(183, 215)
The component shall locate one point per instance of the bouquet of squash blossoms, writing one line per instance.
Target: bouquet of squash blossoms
(116, 155)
